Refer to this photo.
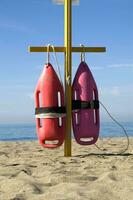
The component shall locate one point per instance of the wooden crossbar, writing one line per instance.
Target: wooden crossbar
(63, 49)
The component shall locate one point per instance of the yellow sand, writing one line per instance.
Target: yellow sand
(30, 172)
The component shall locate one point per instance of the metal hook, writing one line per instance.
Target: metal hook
(48, 54)
(82, 55)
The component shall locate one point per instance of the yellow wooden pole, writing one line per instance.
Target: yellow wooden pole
(68, 63)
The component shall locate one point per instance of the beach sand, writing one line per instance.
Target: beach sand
(30, 172)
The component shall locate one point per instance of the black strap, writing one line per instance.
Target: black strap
(76, 104)
(42, 110)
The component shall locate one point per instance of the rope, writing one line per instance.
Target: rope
(58, 67)
(120, 125)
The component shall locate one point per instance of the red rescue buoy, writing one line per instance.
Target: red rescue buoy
(50, 110)
(85, 117)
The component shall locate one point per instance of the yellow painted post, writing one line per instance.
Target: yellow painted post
(68, 63)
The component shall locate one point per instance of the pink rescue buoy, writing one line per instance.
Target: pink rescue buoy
(86, 123)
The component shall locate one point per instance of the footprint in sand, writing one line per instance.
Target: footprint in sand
(113, 167)
(80, 179)
(27, 171)
(19, 197)
(113, 177)
(12, 165)
(37, 188)
(90, 178)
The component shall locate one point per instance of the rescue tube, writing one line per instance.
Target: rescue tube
(50, 110)
(85, 116)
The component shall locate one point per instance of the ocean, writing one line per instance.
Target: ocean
(26, 132)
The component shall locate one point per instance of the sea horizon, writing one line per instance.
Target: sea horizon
(27, 131)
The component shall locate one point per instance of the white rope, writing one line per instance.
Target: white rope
(58, 67)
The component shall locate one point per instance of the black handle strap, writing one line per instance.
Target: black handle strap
(76, 105)
(42, 110)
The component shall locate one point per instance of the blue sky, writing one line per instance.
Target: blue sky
(39, 22)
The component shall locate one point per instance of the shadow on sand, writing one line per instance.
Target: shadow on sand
(104, 154)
